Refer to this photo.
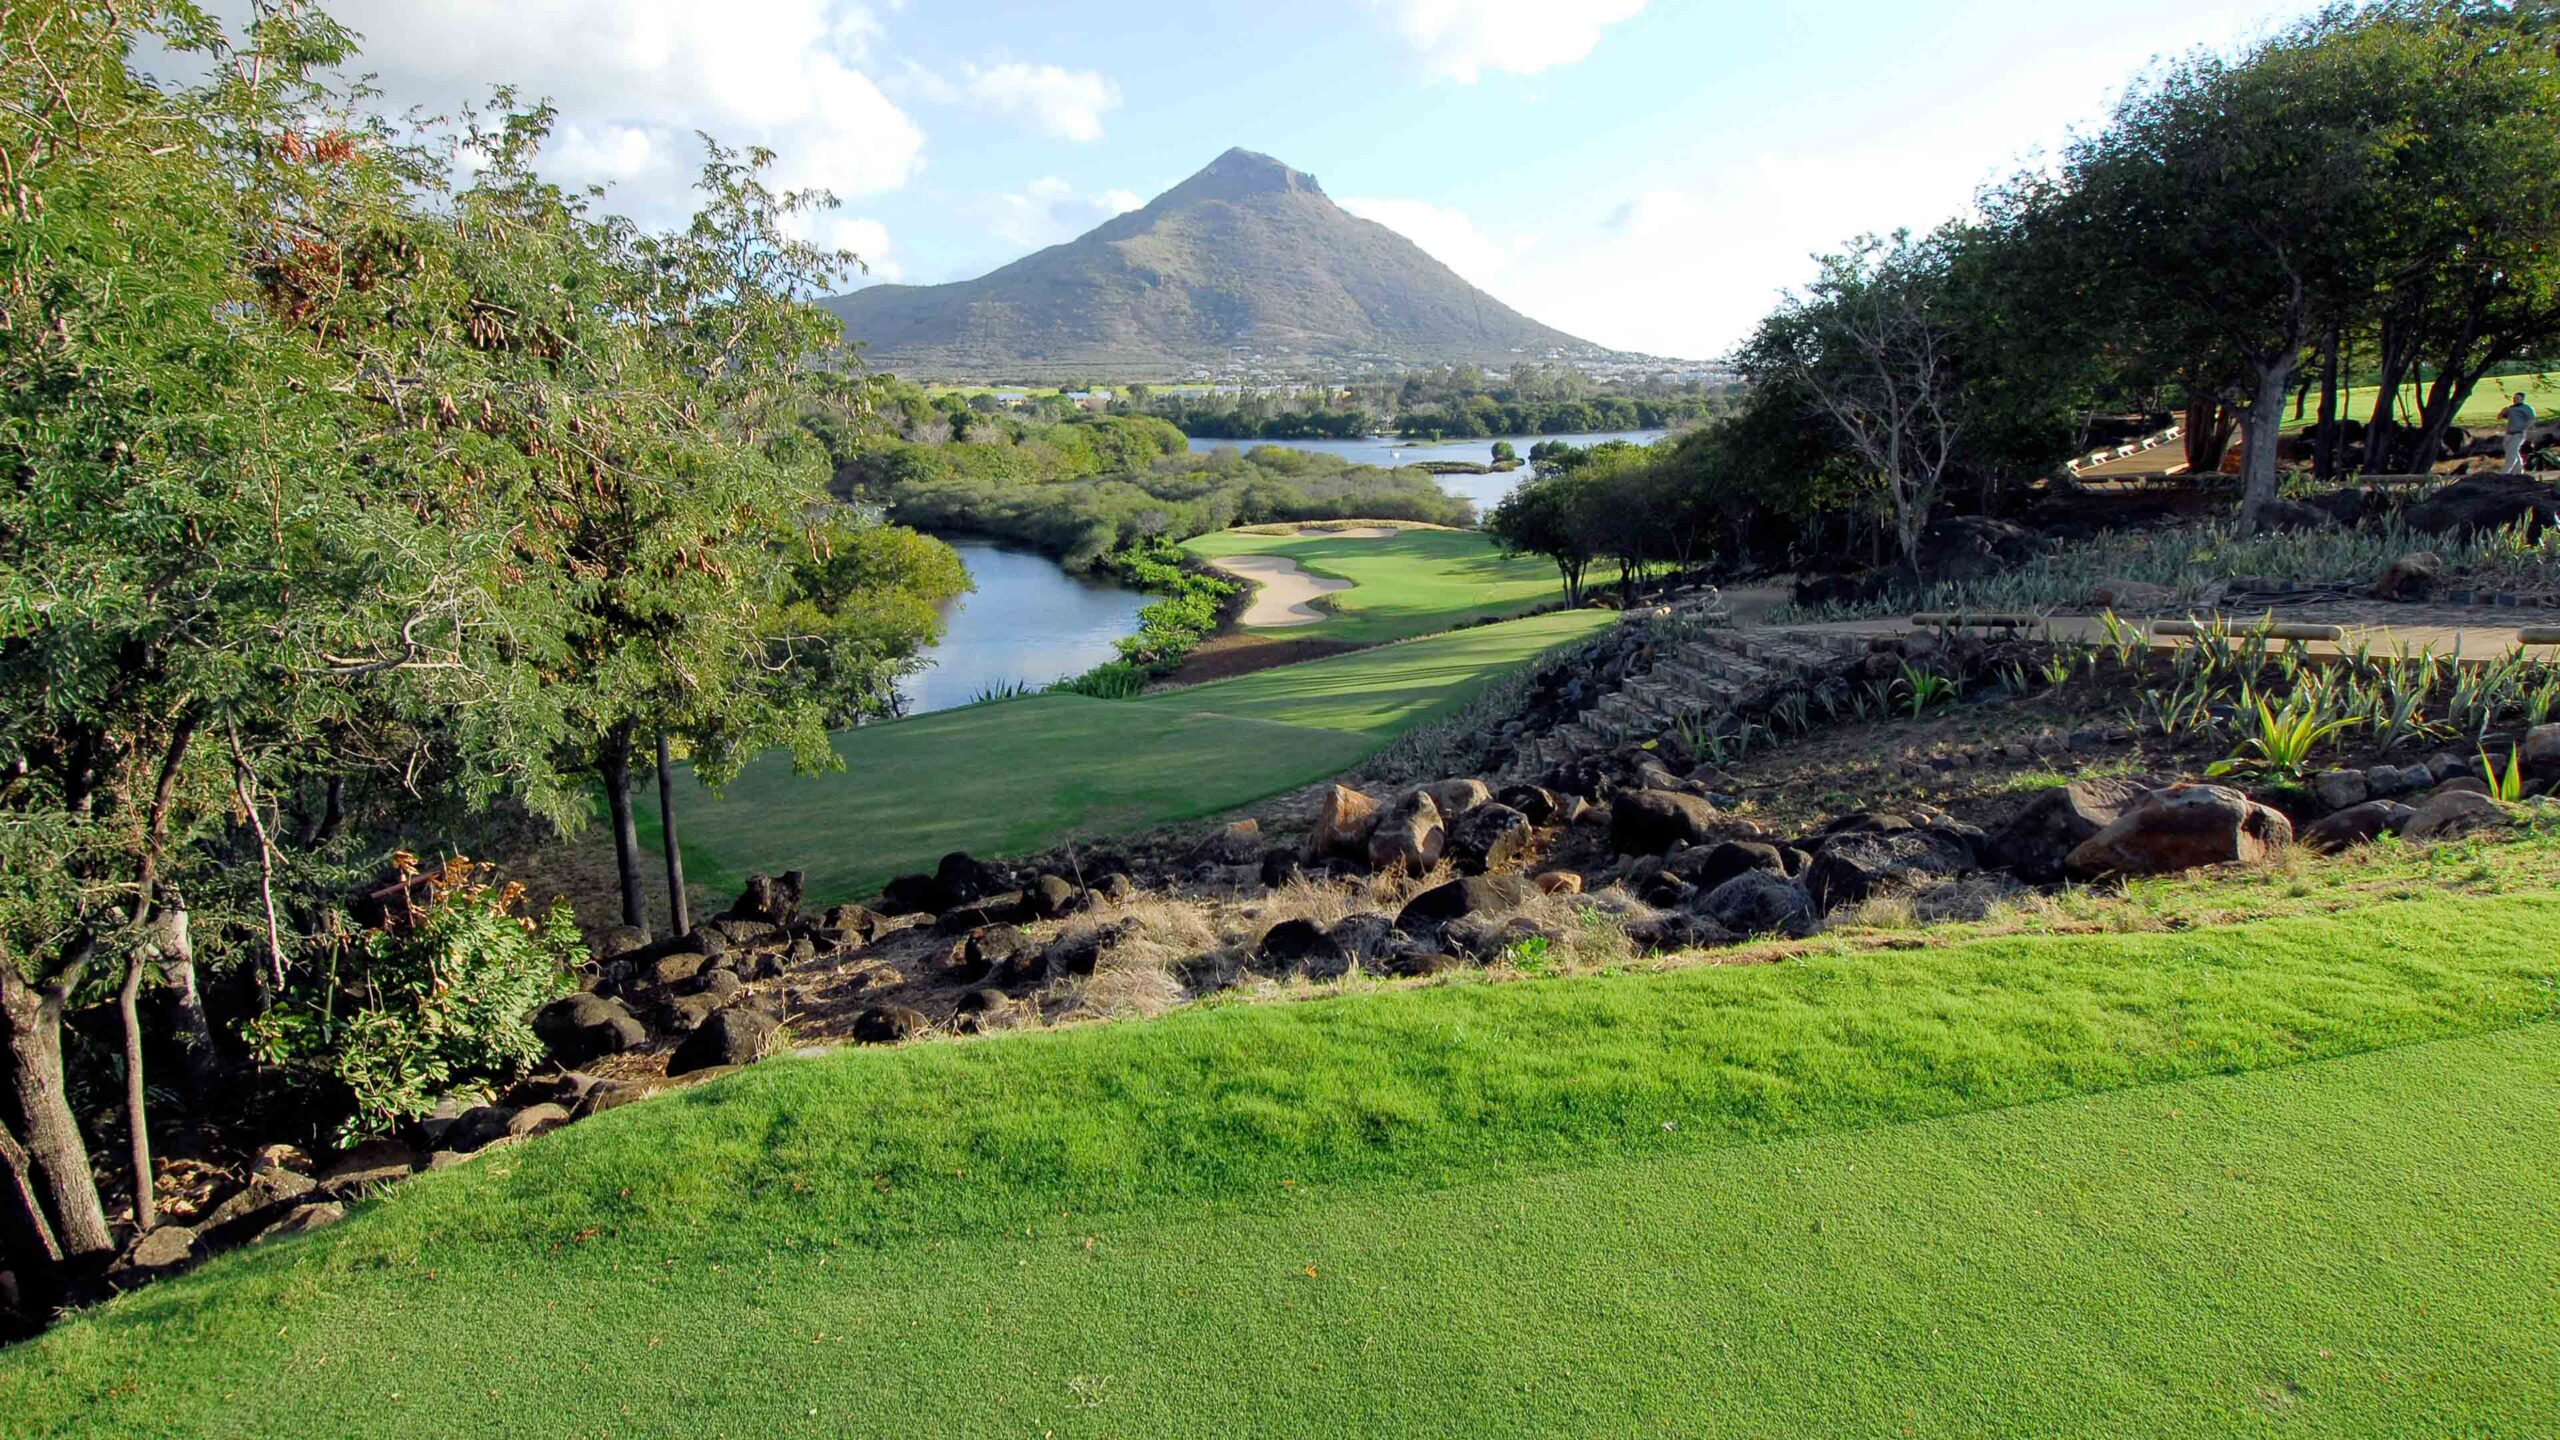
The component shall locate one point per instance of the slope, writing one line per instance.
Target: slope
(2019, 1187)
(1247, 256)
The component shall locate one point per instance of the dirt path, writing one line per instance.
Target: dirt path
(1281, 590)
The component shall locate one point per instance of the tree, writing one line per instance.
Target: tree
(1546, 516)
(2247, 205)
(1871, 346)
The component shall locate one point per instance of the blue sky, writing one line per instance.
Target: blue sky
(1646, 175)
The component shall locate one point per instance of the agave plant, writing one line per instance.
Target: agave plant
(2506, 784)
(1924, 690)
(2281, 742)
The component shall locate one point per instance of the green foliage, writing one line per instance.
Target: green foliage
(2280, 743)
(2504, 784)
(433, 1000)
(1111, 680)
(1087, 488)
(1189, 604)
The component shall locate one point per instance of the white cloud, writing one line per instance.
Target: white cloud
(635, 79)
(1049, 210)
(1050, 99)
(1446, 232)
(867, 239)
(1460, 39)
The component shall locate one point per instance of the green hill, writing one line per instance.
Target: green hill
(1248, 256)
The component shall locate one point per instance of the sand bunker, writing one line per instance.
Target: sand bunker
(1281, 591)
(1349, 532)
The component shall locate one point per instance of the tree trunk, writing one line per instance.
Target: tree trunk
(32, 1019)
(182, 1008)
(2324, 451)
(616, 768)
(2258, 451)
(679, 910)
(2379, 432)
(22, 1223)
(137, 1111)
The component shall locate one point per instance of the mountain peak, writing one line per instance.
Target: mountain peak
(1241, 174)
(1246, 264)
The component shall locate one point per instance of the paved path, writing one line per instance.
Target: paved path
(2474, 643)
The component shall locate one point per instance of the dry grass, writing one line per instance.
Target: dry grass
(1140, 970)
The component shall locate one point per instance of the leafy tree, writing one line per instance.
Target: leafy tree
(1871, 345)
(1548, 516)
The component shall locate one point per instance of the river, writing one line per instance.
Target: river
(1028, 620)
(1482, 490)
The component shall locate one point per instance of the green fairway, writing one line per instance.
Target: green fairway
(1416, 582)
(2022, 1187)
(2481, 408)
(1385, 691)
(1023, 775)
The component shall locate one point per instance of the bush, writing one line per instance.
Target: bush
(437, 996)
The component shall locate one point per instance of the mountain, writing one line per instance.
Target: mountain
(1247, 263)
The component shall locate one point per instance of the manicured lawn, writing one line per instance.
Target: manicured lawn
(1417, 582)
(2480, 409)
(1024, 775)
(2022, 1187)
(1387, 690)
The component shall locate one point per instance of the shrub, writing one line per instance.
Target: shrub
(436, 996)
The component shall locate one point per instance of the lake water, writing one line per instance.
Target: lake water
(1482, 490)
(1027, 620)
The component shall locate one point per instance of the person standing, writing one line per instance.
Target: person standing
(2519, 418)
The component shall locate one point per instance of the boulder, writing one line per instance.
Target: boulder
(1325, 952)
(2341, 789)
(2483, 502)
(1708, 866)
(1675, 930)
(717, 984)
(2356, 825)
(2131, 595)
(302, 1219)
(2413, 576)
(2383, 781)
(1237, 843)
(1535, 801)
(987, 951)
(579, 1028)
(732, 1037)
(775, 900)
(479, 1126)
(1968, 547)
(1558, 882)
(982, 1010)
(1410, 834)
(280, 1156)
(1487, 938)
(1053, 897)
(621, 940)
(853, 923)
(1457, 797)
(1649, 822)
(161, 1249)
(1492, 836)
(249, 1209)
(964, 879)
(2293, 515)
(368, 1166)
(1345, 819)
(2181, 828)
(1759, 903)
(535, 1120)
(1849, 868)
(2453, 813)
(1474, 895)
(1290, 941)
(911, 895)
(668, 969)
(888, 1024)
(684, 1014)
(2034, 844)
(2542, 752)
